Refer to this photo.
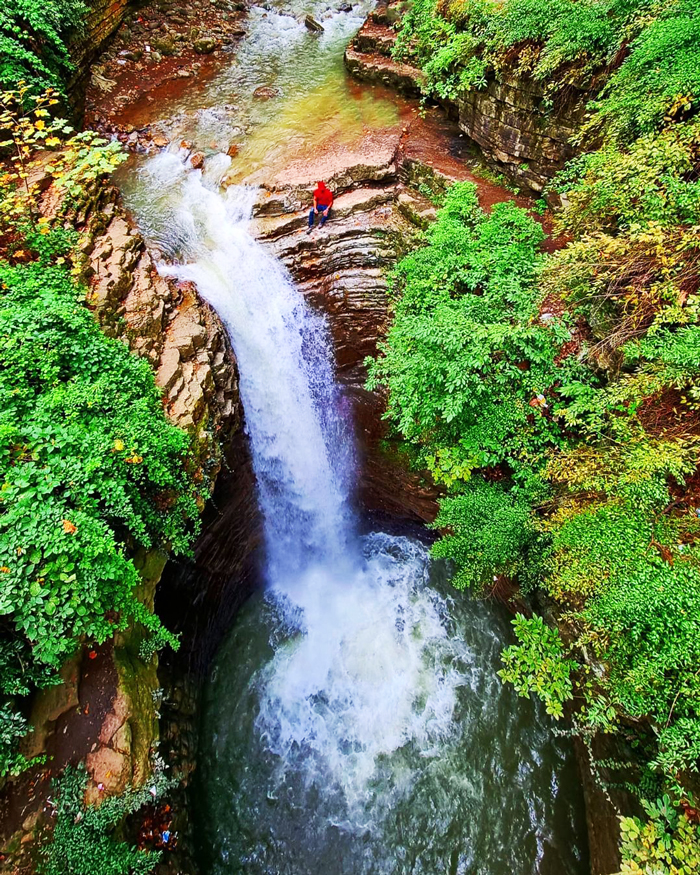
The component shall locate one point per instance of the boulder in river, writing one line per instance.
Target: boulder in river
(266, 92)
(197, 160)
(313, 25)
(205, 45)
(232, 150)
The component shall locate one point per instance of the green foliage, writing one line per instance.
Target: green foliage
(668, 843)
(13, 727)
(85, 454)
(660, 81)
(490, 529)
(467, 361)
(652, 180)
(465, 355)
(89, 466)
(33, 41)
(571, 458)
(632, 574)
(86, 459)
(537, 664)
(85, 838)
(458, 43)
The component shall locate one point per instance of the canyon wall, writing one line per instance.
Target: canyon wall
(101, 22)
(517, 129)
(105, 713)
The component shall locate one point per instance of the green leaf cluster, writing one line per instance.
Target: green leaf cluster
(33, 36)
(570, 447)
(85, 838)
(537, 664)
(466, 352)
(90, 468)
(574, 474)
(667, 843)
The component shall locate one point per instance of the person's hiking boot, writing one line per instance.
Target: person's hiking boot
(309, 229)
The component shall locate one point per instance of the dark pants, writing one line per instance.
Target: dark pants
(324, 215)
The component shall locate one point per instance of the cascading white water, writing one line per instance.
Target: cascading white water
(365, 624)
(354, 721)
(301, 447)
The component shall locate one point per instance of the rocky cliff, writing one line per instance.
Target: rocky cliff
(382, 186)
(519, 132)
(105, 712)
(103, 19)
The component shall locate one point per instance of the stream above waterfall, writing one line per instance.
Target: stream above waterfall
(353, 720)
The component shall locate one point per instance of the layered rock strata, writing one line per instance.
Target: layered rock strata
(382, 185)
(512, 122)
(167, 323)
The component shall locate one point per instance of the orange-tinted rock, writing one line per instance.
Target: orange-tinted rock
(266, 92)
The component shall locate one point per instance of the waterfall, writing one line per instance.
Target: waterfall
(363, 632)
(356, 723)
(301, 446)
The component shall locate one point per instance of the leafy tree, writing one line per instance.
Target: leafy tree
(466, 353)
(660, 80)
(33, 37)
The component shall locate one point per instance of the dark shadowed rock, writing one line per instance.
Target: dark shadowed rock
(313, 25)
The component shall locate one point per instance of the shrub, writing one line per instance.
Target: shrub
(89, 466)
(571, 460)
(490, 529)
(668, 843)
(33, 41)
(660, 80)
(458, 43)
(537, 664)
(85, 838)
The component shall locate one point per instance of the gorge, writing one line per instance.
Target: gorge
(335, 705)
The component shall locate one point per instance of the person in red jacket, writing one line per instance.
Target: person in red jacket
(323, 201)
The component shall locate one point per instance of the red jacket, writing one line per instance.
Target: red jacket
(323, 196)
